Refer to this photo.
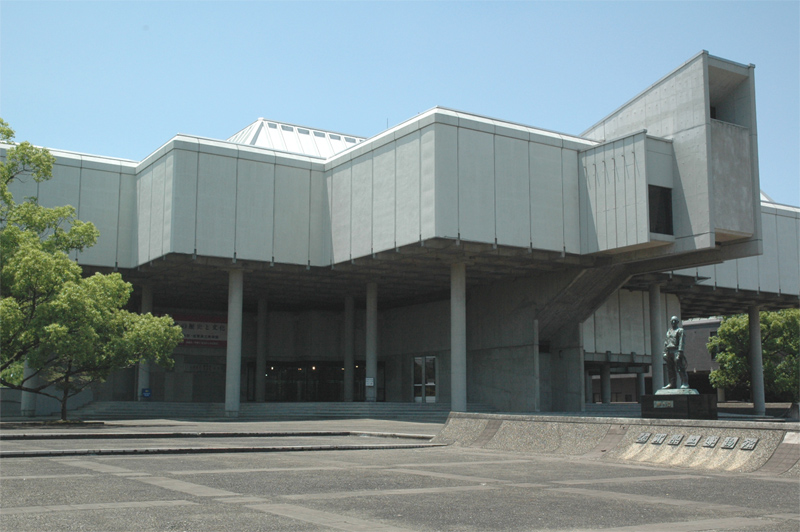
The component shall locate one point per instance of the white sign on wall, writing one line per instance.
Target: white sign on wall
(206, 331)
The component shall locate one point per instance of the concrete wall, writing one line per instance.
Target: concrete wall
(732, 180)
(777, 270)
(102, 190)
(451, 175)
(507, 184)
(678, 107)
(221, 200)
(614, 179)
(622, 324)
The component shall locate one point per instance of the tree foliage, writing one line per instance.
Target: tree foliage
(780, 345)
(68, 330)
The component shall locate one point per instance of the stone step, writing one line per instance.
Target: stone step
(270, 411)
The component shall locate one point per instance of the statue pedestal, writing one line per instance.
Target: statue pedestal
(679, 404)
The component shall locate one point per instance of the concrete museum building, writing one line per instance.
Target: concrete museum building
(453, 258)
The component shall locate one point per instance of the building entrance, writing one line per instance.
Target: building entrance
(319, 381)
(425, 379)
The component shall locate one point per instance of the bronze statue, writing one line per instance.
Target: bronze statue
(673, 356)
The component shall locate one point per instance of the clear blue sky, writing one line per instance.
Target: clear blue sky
(121, 78)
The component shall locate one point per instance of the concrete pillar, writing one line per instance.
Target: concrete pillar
(605, 383)
(262, 326)
(640, 388)
(566, 369)
(756, 361)
(656, 337)
(537, 384)
(588, 393)
(143, 372)
(458, 337)
(372, 342)
(233, 365)
(349, 347)
(28, 399)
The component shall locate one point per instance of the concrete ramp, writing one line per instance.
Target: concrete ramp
(735, 446)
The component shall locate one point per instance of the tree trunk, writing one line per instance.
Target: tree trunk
(64, 398)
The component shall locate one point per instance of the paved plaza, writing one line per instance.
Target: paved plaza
(305, 477)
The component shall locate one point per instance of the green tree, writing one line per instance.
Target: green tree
(780, 345)
(68, 330)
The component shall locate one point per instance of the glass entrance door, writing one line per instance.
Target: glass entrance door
(425, 379)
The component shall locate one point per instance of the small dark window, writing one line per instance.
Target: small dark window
(660, 200)
(713, 112)
(336, 137)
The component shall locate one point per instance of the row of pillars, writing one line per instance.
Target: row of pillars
(458, 338)
(458, 343)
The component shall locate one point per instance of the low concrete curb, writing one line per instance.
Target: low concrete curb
(208, 450)
(154, 435)
(734, 446)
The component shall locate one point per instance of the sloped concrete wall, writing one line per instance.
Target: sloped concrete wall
(716, 446)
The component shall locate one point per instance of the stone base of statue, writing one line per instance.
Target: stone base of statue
(679, 403)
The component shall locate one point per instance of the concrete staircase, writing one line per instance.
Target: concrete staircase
(425, 413)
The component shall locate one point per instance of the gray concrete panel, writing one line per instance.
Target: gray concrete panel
(320, 243)
(127, 239)
(169, 193)
(340, 201)
(733, 193)
(383, 198)
(614, 239)
(216, 205)
(503, 377)
(427, 181)
(547, 182)
(642, 202)
(407, 160)
(768, 276)
(446, 176)
(184, 201)
(747, 273)
(158, 197)
(788, 229)
(589, 335)
(631, 322)
(254, 210)
(588, 201)
(362, 213)
(144, 188)
(512, 189)
(691, 197)
(571, 201)
(292, 214)
(99, 205)
(608, 326)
